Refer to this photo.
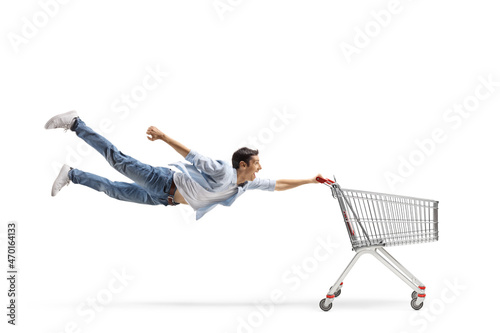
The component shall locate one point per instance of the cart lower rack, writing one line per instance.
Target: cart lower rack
(376, 220)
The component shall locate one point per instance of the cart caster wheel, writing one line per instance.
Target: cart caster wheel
(414, 295)
(337, 294)
(414, 304)
(323, 307)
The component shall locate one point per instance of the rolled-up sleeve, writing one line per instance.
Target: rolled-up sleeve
(262, 184)
(191, 155)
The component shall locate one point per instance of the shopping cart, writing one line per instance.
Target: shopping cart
(376, 220)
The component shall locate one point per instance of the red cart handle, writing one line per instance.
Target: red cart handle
(325, 181)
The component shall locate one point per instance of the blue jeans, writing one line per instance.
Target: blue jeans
(151, 184)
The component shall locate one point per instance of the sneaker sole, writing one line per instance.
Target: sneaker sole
(64, 170)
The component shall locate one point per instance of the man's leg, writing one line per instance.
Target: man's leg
(144, 175)
(117, 190)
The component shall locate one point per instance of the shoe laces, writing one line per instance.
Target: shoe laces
(68, 126)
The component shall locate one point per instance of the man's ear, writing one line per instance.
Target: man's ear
(243, 164)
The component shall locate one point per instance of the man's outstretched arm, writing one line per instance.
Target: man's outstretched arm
(155, 134)
(286, 184)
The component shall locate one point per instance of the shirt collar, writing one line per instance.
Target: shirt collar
(234, 179)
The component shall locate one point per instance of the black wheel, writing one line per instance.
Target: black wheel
(414, 304)
(323, 307)
(414, 294)
(337, 294)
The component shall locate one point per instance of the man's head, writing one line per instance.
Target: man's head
(246, 162)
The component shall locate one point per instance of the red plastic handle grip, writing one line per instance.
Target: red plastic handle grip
(325, 180)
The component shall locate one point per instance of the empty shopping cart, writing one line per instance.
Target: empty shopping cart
(376, 220)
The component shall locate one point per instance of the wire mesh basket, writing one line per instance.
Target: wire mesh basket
(386, 219)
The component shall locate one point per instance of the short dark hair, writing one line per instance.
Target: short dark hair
(243, 154)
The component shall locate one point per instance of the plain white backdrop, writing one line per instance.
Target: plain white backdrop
(364, 90)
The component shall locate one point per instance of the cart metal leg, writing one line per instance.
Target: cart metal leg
(417, 286)
(418, 296)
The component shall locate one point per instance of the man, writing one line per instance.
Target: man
(203, 183)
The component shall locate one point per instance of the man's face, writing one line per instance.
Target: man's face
(253, 167)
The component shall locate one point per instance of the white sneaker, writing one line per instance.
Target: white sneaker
(63, 120)
(61, 180)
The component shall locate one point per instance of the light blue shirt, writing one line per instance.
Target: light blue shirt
(217, 176)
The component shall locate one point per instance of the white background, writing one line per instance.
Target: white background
(229, 74)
